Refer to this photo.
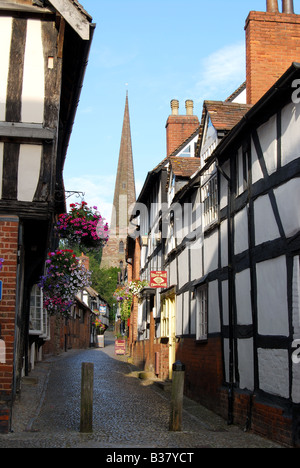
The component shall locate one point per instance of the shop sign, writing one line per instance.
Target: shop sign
(159, 279)
(120, 347)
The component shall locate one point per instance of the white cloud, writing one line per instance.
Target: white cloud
(221, 71)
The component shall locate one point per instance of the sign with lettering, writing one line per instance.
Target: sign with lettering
(1, 284)
(159, 279)
(120, 347)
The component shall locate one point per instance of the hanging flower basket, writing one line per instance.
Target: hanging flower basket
(83, 227)
(124, 296)
(64, 278)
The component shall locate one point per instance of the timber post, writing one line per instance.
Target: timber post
(177, 397)
(87, 389)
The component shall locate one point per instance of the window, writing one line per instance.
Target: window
(210, 201)
(121, 247)
(165, 319)
(36, 311)
(201, 320)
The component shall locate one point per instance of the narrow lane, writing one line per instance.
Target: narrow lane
(128, 413)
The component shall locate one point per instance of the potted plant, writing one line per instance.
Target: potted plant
(100, 329)
(84, 227)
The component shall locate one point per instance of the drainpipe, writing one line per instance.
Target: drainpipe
(230, 298)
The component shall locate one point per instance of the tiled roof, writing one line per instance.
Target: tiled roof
(225, 115)
(184, 167)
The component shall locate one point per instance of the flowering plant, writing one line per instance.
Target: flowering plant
(83, 226)
(64, 278)
(124, 296)
(1, 263)
(100, 327)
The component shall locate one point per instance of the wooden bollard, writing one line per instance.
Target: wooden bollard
(177, 397)
(87, 390)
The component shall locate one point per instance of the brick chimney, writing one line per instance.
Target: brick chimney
(180, 127)
(272, 45)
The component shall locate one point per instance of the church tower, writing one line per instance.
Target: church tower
(125, 196)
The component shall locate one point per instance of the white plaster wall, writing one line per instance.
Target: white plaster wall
(240, 171)
(193, 314)
(256, 169)
(1, 167)
(266, 228)
(241, 241)
(196, 259)
(274, 371)
(211, 252)
(33, 93)
(29, 171)
(224, 186)
(186, 314)
(296, 327)
(173, 273)
(225, 302)
(179, 323)
(272, 300)
(183, 267)
(214, 325)
(267, 135)
(290, 133)
(5, 41)
(243, 298)
(246, 369)
(224, 243)
(287, 197)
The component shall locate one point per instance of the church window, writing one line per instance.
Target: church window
(121, 247)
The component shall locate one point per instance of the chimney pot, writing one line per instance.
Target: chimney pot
(288, 7)
(175, 106)
(189, 105)
(272, 6)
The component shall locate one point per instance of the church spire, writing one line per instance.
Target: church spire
(124, 197)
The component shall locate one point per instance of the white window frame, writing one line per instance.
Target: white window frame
(36, 311)
(209, 196)
(202, 313)
(38, 314)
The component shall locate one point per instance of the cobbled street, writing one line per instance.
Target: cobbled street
(128, 412)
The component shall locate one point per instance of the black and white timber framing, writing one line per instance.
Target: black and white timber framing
(237, 277)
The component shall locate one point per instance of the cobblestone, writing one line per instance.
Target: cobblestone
(128, 412)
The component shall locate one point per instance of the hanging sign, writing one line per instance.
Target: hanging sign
(1, 284)
(159, 279)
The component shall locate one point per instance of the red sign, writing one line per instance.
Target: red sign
(159, 279)
(120, 347)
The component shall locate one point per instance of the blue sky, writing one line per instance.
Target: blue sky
(163, 50)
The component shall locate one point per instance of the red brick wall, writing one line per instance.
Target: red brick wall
(204, 371)
(9, 228)
(179, 128)
(272, 45)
